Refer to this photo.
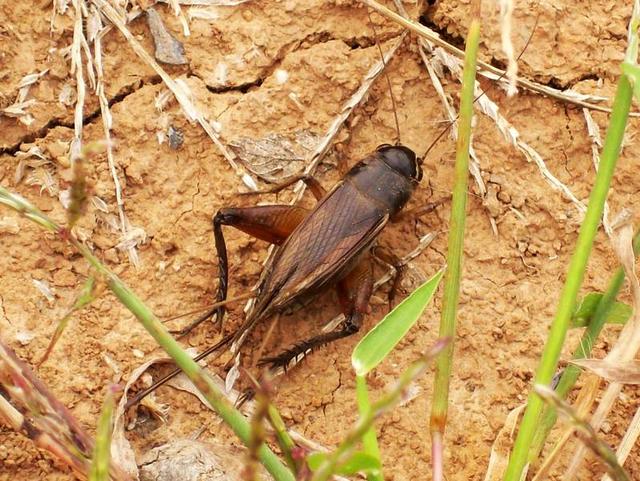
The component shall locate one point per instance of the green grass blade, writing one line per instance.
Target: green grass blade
(381, 340)
(369, 440)
(575, 274)
(455, 249)
(99, 469)
(200, 379)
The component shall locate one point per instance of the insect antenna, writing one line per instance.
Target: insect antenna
(386, 75)
(484, 92)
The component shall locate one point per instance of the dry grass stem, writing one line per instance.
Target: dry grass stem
(501, 446)
(506, 16)
(338, 121)
(583, 405)
(508, 131)
(76, 67)
(586, 433)
(29, 408)
(95, 35)
(628, 442)
(488, 70)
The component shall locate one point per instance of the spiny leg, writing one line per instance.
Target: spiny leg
(354, 292)
(314, 186)
(271, 223)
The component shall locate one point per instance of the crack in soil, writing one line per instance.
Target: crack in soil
(88, 119)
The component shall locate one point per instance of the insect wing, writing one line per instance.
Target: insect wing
(324, 245)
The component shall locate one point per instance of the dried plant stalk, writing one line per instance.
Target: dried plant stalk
(586, 432)
(488, 70)
(29, 408)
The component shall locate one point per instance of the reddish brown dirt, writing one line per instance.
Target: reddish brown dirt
(511, 282)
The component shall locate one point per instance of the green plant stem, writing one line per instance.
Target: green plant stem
(369, 440)
(99, 470)
(572, 372)
(575, 274)
(282, 436)
(455, 248)
(201, 380)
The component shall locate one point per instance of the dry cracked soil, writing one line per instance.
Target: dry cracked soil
(282, 70)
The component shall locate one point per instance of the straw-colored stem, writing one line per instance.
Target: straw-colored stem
(455, 248)
(560, 324)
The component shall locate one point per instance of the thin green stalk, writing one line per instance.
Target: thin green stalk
(99, 470)
(369, 440)
(284, 440)
(575, 274)
(455, 248)
(201, 380)
(571, 372)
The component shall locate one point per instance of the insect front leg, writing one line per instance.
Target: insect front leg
(354, 292)
(385, 255)
(271, 223)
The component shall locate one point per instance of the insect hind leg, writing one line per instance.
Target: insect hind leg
(354, 292)
(271, 223)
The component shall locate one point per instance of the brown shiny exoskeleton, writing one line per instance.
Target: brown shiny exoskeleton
(328, 244)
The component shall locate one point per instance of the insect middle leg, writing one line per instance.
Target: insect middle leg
(271, 223)
(354, 292)
(314, 186)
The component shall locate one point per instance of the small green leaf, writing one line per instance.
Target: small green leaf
(619, 313)
(99, 469)
(315, 460)
(379, 342)
(359, 462)
(633, 74)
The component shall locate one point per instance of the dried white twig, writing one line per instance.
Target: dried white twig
(107, 122)
(506, 14)
(488, 70)
(347, 108)
(508, 131)
(76, 67)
